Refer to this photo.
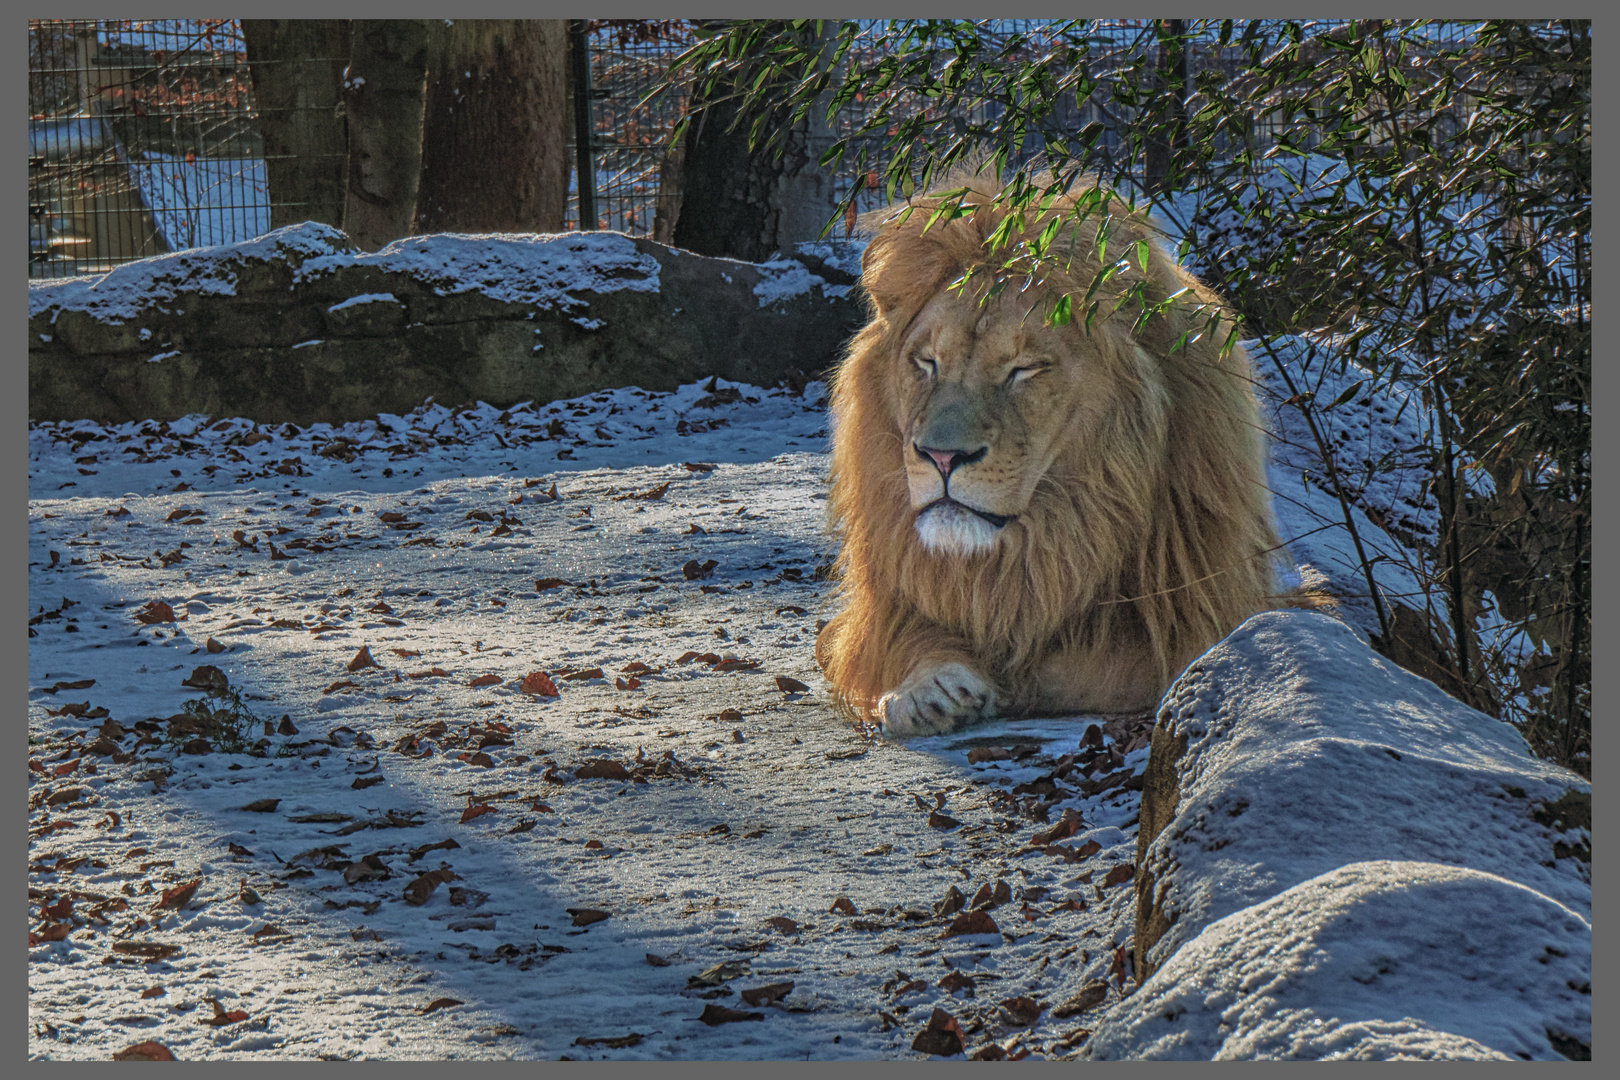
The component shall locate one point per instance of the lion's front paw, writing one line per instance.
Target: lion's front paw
(936, 700)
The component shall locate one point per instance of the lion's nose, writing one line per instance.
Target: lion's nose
(947, 461)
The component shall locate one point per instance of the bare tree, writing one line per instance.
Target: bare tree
(297, 68)
(494, 136)
(742, 204)
(383, 97)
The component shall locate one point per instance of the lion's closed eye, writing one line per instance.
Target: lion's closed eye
(926, 365)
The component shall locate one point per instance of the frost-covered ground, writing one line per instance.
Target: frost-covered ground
(466, 551)
(577, 805)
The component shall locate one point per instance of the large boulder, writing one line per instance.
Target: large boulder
(1315, 819)
(299, 325)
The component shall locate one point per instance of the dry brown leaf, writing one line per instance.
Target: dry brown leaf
(549, 583)
(602, 769)
(587, 916)
(144, 1051)
(618, 1043)
(153, 992)
(843, 906)
(472, 813)
(418, 891)
(436, 1004)
(174, 899)
(1089, 997)
(714, 1015)
(146, 950)
(767, 995)
(155, 611)
(362, 660)
(213, 646)
(539, 684)
(790, 686)
(584, 673)
(783, 924)
(1020, 1011)
(971, 922)
(1119, 875)
(485, 680)
(942, 1037)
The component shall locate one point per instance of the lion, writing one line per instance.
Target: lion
(1034, 518)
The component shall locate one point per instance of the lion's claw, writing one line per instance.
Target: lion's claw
(937, 700)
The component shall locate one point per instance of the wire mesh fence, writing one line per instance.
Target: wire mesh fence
(143, 134)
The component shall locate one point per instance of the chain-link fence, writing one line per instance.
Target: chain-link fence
(143, 135)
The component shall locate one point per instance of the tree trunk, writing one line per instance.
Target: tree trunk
(383, 97)
(297, 68)
(494, 130)
(742, 205)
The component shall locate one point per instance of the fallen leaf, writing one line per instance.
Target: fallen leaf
(286, 726)
(587, 916)
(584, 673)
(146, 950)
(618, 1043)
(405, 654)
(155, 611)
(474, 812)
(658, 961)
(843, 906)
(719, 973)
(362, 659)
(790, 686)
(953, 902)
(144, 1051)
(631, 683)
(50, 932)
(176, 898)
(730, 716)
(1118, 875)
(363, 782)
(419, 890)
(436, 1004)
(942, 1037)
(937, 820)
(1120, 969)
(602, 769)
(971, 922)
(1020, 1011)
(955, 981)
(783, 923)
(549, 583)
(540, 684)
(714, 1015)
(767, 995)
(695, 571)
(1061, 831)
(485, 680)
(1089, 997)
(593, 845)
(417, 853)
(262, 806)
(209, 678)
(153, 992)
(59, 910)
(635, 667)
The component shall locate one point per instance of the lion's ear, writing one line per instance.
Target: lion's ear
(898, 268)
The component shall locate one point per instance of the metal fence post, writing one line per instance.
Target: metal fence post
(584, 158)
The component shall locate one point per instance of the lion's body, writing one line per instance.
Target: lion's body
(1112, 524)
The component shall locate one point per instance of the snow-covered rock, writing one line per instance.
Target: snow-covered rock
(1314, 820)
(270, 328)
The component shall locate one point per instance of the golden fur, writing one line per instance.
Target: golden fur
(1133, 478)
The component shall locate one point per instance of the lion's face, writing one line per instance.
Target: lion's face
(986, 399)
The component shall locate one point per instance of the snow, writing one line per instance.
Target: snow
(206, 201)
(546, 270)
(793, 811)
(364, 298)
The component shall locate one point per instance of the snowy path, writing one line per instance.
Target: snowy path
(732, 814)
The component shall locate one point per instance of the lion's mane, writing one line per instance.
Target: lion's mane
(1144, 545)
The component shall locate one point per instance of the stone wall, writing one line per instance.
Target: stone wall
(299, 326)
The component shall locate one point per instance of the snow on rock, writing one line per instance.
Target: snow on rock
(1380, 960)
(545, 270)
(1290, 752)
(126, 291)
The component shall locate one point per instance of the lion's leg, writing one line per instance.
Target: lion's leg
(942, 688)
(1088, 680)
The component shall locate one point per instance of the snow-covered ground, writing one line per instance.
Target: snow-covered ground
(466, 551)
(590, 793)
